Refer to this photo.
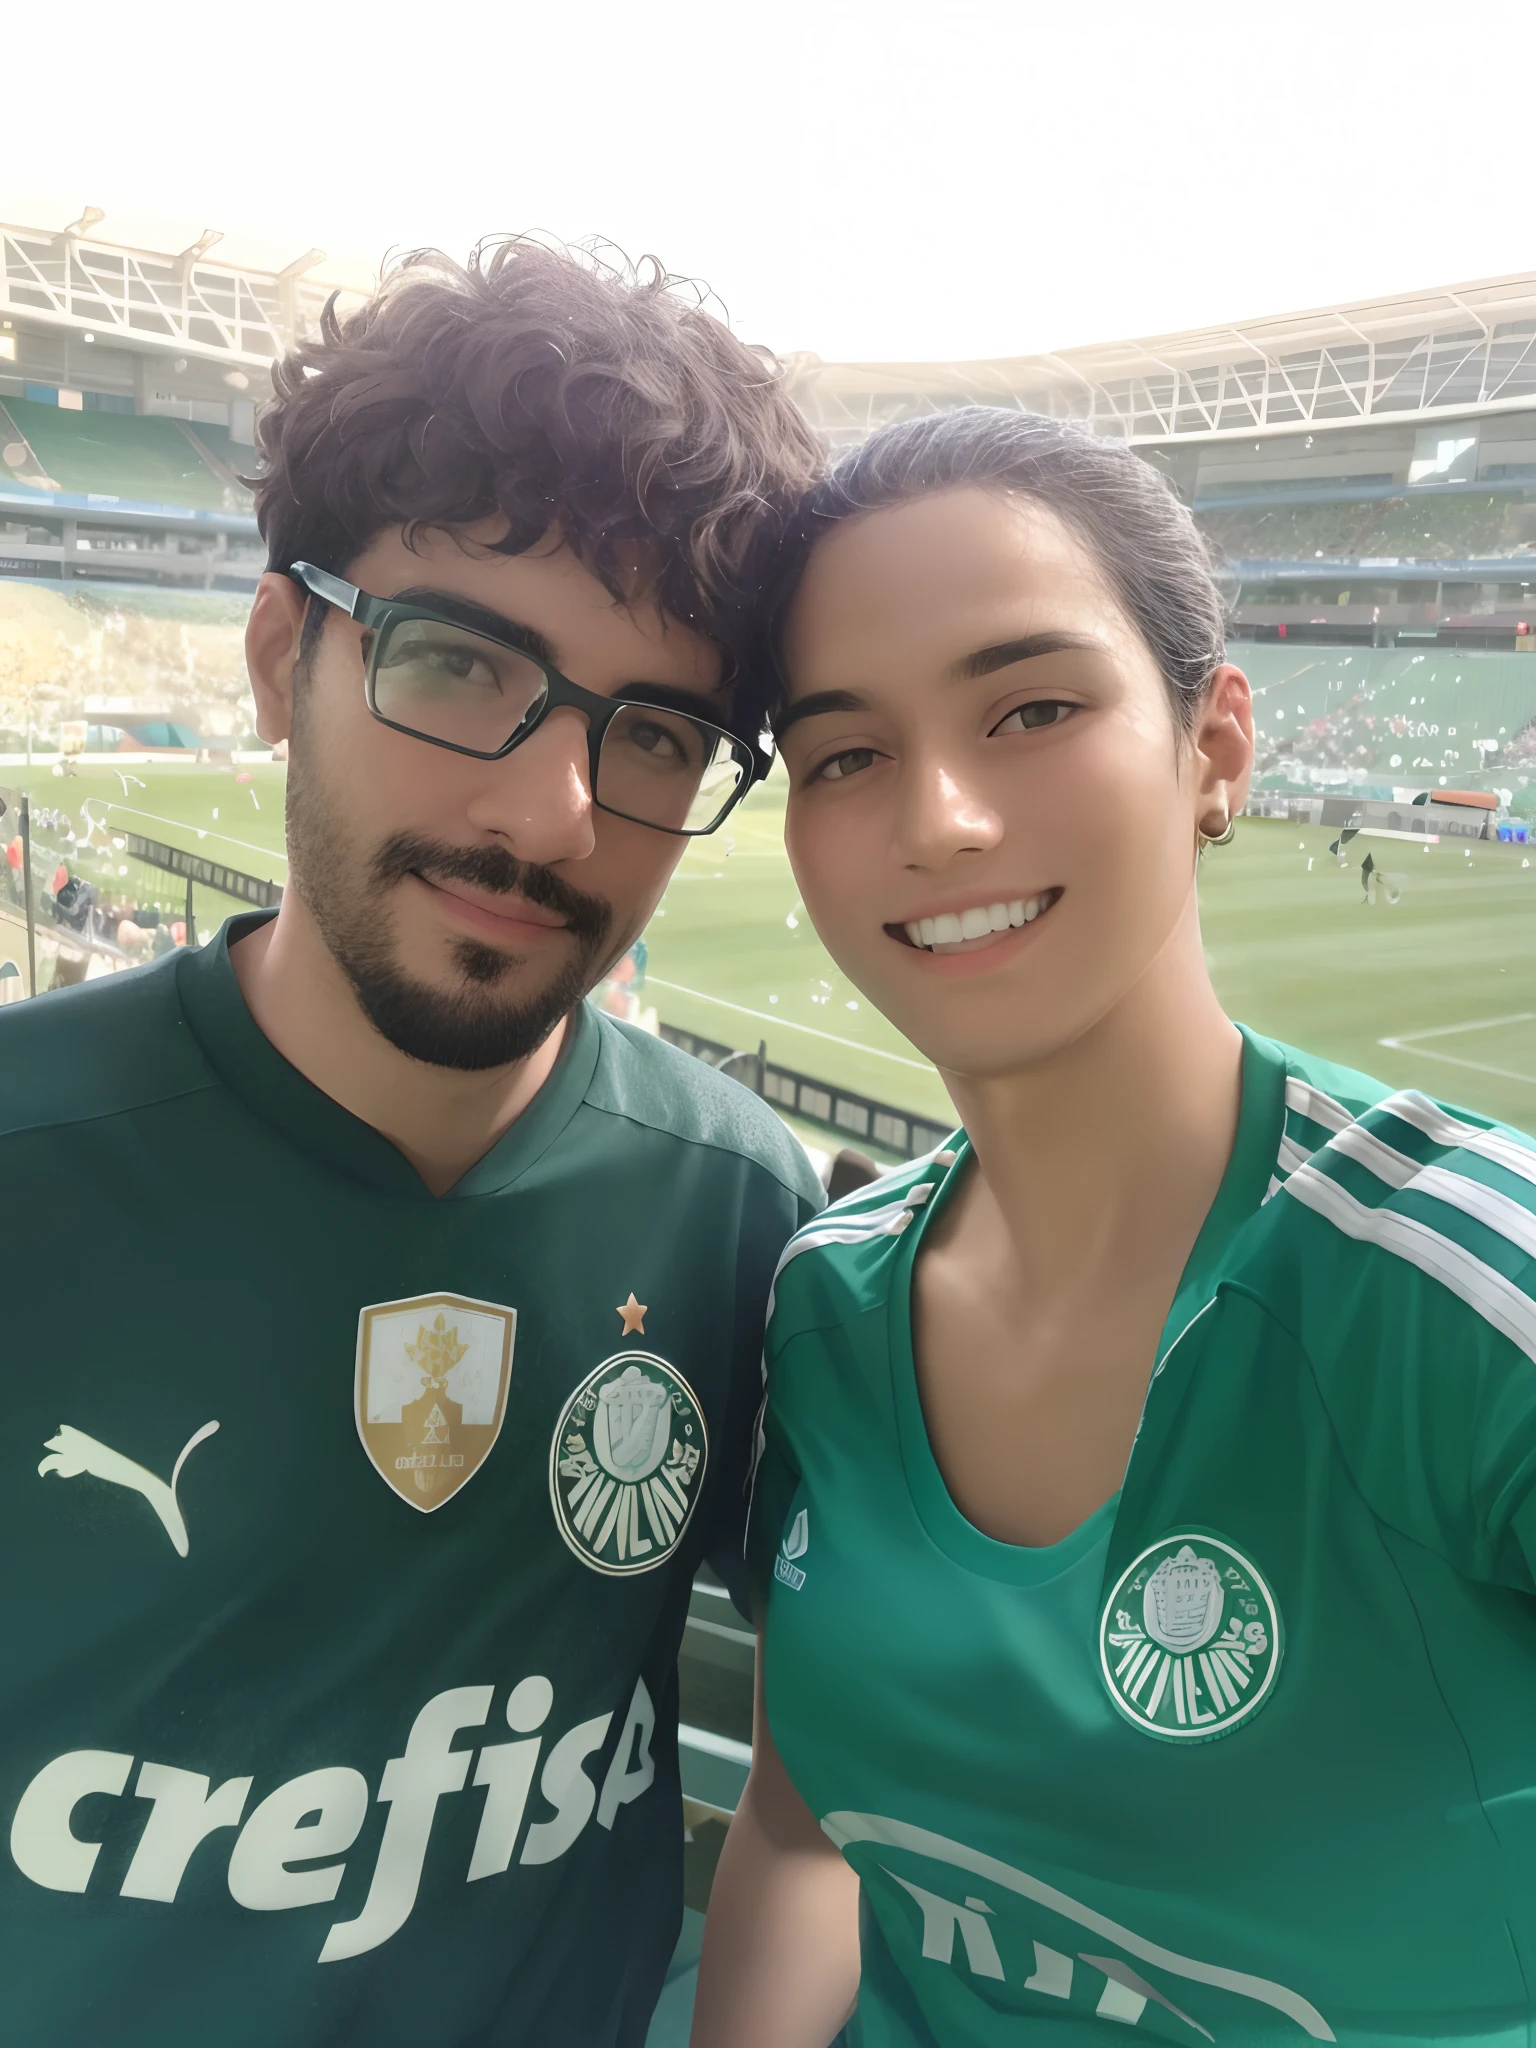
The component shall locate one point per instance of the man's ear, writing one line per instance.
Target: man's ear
(272, 636)
(1223, 738)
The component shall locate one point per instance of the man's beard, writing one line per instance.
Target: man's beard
(348, 898)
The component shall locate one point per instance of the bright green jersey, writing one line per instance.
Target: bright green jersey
(348, 1532)
(1251, 1755)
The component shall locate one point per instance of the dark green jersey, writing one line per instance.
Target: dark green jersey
(1251, 1755)
(348, 1532)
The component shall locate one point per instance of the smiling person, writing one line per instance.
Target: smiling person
(1146, 1518)
(347, 1567)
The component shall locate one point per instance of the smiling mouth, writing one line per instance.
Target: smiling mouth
(973, 930)
(509, 911)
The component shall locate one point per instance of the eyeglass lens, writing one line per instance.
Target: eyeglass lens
(655, 765)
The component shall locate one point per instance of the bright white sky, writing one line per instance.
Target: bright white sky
(878, 181)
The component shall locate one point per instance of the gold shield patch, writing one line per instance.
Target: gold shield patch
(431, 1391)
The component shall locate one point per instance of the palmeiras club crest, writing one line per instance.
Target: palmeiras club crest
(1190, 1639)
(627, 1462)
(431, 1391)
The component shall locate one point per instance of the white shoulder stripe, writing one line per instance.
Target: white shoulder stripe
(1500, 1212)
(1497, 1300)
(856, 1229)
(1292, 1155)
(1315, 1105)
(1373, 1153)
(1445, 1129)
(830, 1227)
(1489, 1206)
(877, 1192)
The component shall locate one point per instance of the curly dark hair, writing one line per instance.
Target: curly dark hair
(559, 388)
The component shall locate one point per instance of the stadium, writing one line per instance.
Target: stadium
(1366, 474)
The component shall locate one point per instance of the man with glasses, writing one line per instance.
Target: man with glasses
(346, 1574)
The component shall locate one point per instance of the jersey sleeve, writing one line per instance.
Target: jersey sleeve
(767, 1226)
(774, 1485)
(1415, 1275)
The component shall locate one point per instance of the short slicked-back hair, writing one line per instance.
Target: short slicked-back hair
(1143, 539)
(559, 389)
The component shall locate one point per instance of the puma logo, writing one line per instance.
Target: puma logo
(74, 1452)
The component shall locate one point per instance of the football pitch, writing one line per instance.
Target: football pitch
(1436, 991)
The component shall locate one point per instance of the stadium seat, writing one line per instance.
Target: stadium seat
(122, 455)
(1452, 528)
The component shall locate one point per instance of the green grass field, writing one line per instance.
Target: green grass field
(1448, 973)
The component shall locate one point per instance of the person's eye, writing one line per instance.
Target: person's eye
(656, 741)
(1028, 717)
(838, 767)
(462, 665)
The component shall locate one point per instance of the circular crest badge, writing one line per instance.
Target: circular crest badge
(1190, 1639)
(627, 1462)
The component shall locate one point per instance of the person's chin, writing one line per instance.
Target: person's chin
(440, 954)
(967, 1028)
(467, 967)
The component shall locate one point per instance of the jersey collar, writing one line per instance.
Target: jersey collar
(1244, 1185)
(252, 1068)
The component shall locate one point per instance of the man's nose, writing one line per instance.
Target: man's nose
(940, 814)
(539, 799)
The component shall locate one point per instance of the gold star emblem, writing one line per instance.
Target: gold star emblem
(634, 1314)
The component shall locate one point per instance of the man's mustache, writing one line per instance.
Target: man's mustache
(493, 868)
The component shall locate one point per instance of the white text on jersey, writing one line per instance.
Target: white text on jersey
(322, 1812)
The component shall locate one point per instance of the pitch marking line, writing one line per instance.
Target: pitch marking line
(1412, 1041)
(203, 832)
(768, 1017)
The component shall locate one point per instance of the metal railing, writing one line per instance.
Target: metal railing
(840, 1111)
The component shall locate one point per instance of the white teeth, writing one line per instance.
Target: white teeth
(950, 929)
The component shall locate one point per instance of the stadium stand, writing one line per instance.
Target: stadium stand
(1393, 716)
(140, 459)
(1438, 528)
(228, 457)
(1473, 526)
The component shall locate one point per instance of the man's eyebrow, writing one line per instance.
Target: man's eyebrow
(819, 702)
(668, 697)
(479, 618)
(987, 660)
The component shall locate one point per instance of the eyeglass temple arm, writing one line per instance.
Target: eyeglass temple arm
(345, 596)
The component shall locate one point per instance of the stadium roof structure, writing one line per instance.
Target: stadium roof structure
(184, 304)
(1421, 355)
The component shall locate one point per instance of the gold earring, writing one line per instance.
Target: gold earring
(1222, 838)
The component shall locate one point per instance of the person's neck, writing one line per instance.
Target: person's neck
(1101, 1163)
(441, 1119)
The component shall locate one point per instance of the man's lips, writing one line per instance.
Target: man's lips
(505, 917)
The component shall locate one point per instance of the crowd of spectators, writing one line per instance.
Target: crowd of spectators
(1473, 526)
(62, 896)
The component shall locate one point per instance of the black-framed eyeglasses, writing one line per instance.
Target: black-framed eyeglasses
(474, 692)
